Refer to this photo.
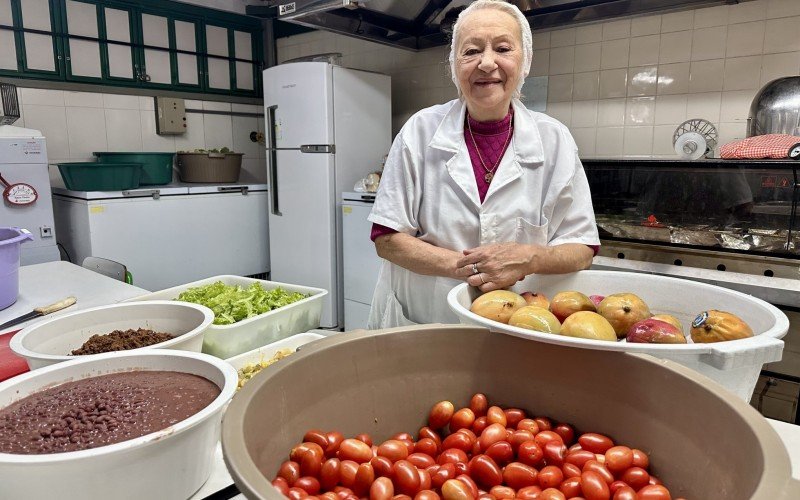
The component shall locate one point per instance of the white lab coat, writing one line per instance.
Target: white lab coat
(539, 195)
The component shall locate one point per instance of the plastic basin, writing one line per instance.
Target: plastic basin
(734, 364)
(156, 167)
(100, 176)
(10, 240)
(51, 340)
(703, 442)
(171, 463)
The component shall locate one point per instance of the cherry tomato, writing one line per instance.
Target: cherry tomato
(485, 471)
(401, 497)
(518, 475)
(310, 465)
(452, 455)
(554, 452)
(571, 487)
(424, 479)
(342, 491)
(381, 489)
(495, 415)
(544, 423)
(421, 460)
(445, 472)
(365, 475)
(355, 450)
(636, 477)
(299, 451)
(393, 449)
(529, 453)
(595, 466)
(501, 452)
(528, 424)
(479, 404)
(514, 416)
(519, 437)
(469, 482)
(427, 432)
(458, 440)
(329, 473)
(579, 457)
(571, 470)
(640, 459)
(297, 493)
(366, 438)
(334, 441)
(329, 496)
(463, 418)
(613, 487)
(427, 446)
(382, 466)
(566, 432)
(453, 489)
(653, 492)
(654, 480)
(479, 425)
(550, 477)
(318, 437)
(309, 484)
(529, 493)
(619, 459)
(290, 471)
(545, 437)
(502, 492)
(461, 468)
(596, 443)
(594, 486)
(551, 494)
(406, 478)
(625, 493)
(440, 414)
(427, 495)
(492, 434)
(281, 485)
(347, 473)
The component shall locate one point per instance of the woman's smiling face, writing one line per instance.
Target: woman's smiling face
(488, 62)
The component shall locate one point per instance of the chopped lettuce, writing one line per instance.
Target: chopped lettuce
(235, 303)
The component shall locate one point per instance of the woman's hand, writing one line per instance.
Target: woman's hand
(498, 265)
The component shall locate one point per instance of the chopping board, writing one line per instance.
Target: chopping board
(10, 364)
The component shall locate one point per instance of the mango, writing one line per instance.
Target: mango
(588, 325)
(672, 320)
(536, 299)
(719, 326)
(497, 305)
(622, 310)
(654, 331)
(535, 318)
(566, 303)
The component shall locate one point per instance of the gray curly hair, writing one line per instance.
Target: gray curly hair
(524, 29)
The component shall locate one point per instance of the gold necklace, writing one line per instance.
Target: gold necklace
(489, 173)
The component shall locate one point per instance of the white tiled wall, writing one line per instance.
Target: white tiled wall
(622, 86)
(76, 124)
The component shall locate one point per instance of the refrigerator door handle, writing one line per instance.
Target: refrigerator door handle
(272, 158)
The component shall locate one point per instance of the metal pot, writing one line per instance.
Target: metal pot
(776, 108)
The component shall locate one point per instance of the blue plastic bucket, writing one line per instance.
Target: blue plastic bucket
(10, 240)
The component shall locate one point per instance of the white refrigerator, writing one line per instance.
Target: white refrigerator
(327, 127)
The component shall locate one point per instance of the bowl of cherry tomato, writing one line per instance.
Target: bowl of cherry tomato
(458, 413)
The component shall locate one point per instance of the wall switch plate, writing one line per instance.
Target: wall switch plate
(170, 116)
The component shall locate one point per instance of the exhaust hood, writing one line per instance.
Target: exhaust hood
(421, 24)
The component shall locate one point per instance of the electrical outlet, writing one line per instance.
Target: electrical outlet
(45, 231)
(170, 116)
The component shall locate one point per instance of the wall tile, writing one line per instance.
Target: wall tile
(559, 88)
(743, 12)
(613, 83)
(541, 40)
(51, 121)
(586, 86)
(152, 141)
(194, 138)
(709, 43)
(779, 65)
(83, 99)
(735, 105)
(585, 139)
(742, 73)
(562, 60)
(541, 62)
(147, 103)
(649, 25)
(782, 35)
(675, 47)
(41, 97)
(124, 129)
(615, 30)
(584, 114)
(247, 108)
(782, 8)
(611, 112)
(589, 34)
(638, 141)
(86, 131)
(670, 109)
(116, 101)
(614, 54)
(254, 171)
(640, 111)
(562, 37)
(561, 111)
(642, 81)
(218, 131)
(662, 141)
(587, 57)
(609, 142)
(745, 39)
(677, 21)
(707, 76)
(242, 126)
(711, 16)
(644, 50)
(216, 106)
(705, 105)
(673, 78)
(729, 132)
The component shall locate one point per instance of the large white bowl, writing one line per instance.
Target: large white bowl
(734, 364)
(172, 463)
(50, 341)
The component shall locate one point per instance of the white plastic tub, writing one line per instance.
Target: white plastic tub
(171, 463)
(734, 364)
(50, 341)
(266, 352)
(226, 341)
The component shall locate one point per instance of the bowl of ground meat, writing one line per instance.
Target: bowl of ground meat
(132, 424)
(161, 324)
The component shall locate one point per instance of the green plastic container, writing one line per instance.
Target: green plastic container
(100, 176)
(156, 167)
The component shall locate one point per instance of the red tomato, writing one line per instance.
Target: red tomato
(528, 424)
(495, 415)
(318, 437)
(461, 468)
(424, 479)
(596, 443)
(479, 425)
(595, 466)
(470, 483)
(426, 495)
(571, 470)
(452, 455)
(393, 449)
(347, 473)
(514, 416)
(329, 473)
(653, 492)
(619, 459)
(309, 484)
(492, 434)
(544, 423)
(458, 440)
(297, 493)
(365, 475)
(625, 493)
(453, 489)
(551, 494)
(382, 466)
(554, 452)
(299, 451)
(654, 480)
(550, 477)
(579, 457)
(281, 485)
(440, 414)
(529, 453)
(445, 472)
(502, 492)
(427, 432)
(501, 452)
(566, 432)
(427, 446)
(613, 487)
(290, 471)
(519, 437)
(640, 459)
(310, 465)
(571, 487)
(462, 419)
(594, 486)
(636, 477)
(381, 489)
(421, 460)
(401, 497)
(529, 493)
(342, 491)
(406, 478)
(518, 475)
(334, 441)
(469, 432)
(355, 450)
(485, 471)
(479, 404)
(329, 496)
(545, 437)
(366, 438)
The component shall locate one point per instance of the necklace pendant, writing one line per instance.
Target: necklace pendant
(488, 177)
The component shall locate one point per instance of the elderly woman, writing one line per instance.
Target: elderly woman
(480, 188)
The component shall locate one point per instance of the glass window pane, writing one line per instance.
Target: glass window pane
(244, 75)
(120, 62)
(184, 36)
(155, 31)
(39, 52)
(117, 25)
(187, 69)
(5, 13)
(157, 66)
(81, 19)
(243, 45)
(219, 76)
(85, 58)
(8, 53)
(36, 15)
(217, 41)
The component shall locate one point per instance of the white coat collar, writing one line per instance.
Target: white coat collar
(527, 142)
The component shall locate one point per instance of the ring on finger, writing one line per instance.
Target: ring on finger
(481, 277)
(475, 268)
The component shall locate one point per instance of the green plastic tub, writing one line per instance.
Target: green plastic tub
(156, 167)
(100, 176)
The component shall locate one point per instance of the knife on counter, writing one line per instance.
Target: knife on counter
(40, 311)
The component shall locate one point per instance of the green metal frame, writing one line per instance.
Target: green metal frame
(173, 11)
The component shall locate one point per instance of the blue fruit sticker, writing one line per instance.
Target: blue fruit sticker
(700, 319)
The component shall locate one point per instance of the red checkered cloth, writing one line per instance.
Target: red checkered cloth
(760, 146)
